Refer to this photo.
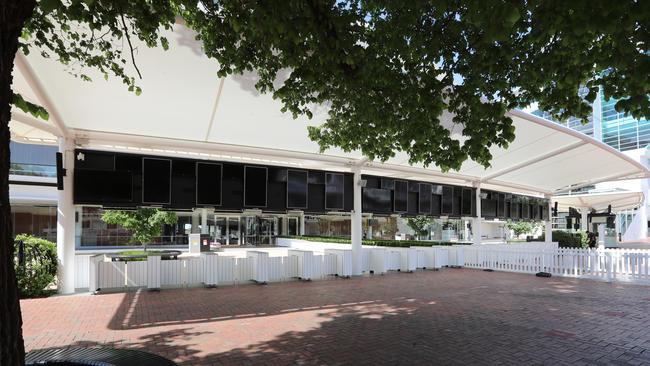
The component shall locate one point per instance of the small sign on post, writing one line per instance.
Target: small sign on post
(195, 243)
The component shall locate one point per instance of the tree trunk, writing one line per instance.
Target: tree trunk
(13, 14)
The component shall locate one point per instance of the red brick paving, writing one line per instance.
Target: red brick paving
(451, 316)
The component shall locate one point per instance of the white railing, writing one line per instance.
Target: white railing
(212, 269)
(605, 264)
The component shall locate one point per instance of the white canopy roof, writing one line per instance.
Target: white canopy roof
(185, 109)
(620, 200)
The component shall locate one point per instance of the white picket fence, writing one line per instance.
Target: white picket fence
(604, 264)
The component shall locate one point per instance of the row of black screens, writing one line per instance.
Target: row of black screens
(116, 186)
(393, 196)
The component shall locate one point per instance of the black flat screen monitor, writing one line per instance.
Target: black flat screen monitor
(156, 180)
(376, 200)
(447, 200)
(424, 198)
(296, 189)
(316, 178)
(466, 207)
(255, 183)
(333, 191)
(401, 196)
(102, 186)
(387, 184)
(501, 205)
(457, 201)
(208, 183)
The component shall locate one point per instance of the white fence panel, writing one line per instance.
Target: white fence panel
(393, 260)
(441, 257)
(243, 270)
(82, 271)
(136, 274)
(171, 273)
(378, 260)
(425, 257)
(111, 275)
(153, 271)
(194, 269)
(304, 263)
(319, 263)
(406, 259)
(365, 260)
(260, 266)
(343, 261)
(276, 269)
(210, 269)
(330, 264)
(226, 269)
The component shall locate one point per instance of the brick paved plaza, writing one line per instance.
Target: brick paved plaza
(453, 316)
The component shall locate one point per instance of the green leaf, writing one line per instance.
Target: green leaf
(47, 6)
(29, 107)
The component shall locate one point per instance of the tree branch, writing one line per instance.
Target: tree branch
(128, 39)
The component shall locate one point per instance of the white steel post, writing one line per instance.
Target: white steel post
(204, 221)
(195, 222)
(301, 224)
(356, 227)
(65, 222)
(584, 225)
(476, 230)
(549, 222)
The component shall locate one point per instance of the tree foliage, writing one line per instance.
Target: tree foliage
(95, 35)
(387, 70)
(419, 224)
(522, 227)
(144, 223)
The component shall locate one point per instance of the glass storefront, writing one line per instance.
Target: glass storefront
(96, 233)
(327, 225)
(38, 221)
(229, 228)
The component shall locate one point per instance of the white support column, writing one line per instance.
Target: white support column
(476, 226)
(549, 222)
(204, 221)
(356, 227)
(65, 222)
(195, 222)
(78, 227)
(584, 225)
(601, 236)
(301, 224)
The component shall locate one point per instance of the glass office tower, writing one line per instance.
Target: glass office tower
(622, 131)
(618, 130)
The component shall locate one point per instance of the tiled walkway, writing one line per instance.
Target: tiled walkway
(453, 316)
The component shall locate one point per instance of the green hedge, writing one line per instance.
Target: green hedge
(380, 243)
(36, 270)
(568, 240)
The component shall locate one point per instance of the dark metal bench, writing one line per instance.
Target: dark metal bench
(94, 356)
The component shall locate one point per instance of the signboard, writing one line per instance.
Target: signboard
(195, 243)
